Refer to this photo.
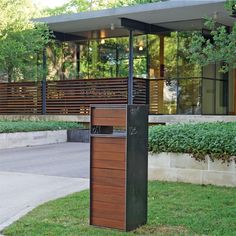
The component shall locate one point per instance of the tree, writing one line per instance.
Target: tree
(20, 39)
(91, 63)
(219, 47)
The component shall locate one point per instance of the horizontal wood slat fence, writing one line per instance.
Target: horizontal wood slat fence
(20, 98)
(69, 96)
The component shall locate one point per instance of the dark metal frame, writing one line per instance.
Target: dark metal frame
(136, 166)
(131, 61)
(65, 37)
(44, 103)
(143, 27)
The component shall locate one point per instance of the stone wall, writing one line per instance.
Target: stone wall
(153, 119)
(23, 139)
(174, 119)
(182, 168)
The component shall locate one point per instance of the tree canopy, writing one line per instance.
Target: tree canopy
(218, 46)
(20, 39)
(75, 6)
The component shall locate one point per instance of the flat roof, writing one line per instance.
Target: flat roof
(173, 14)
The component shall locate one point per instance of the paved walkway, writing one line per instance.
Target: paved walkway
(65, 160)
(34, 175)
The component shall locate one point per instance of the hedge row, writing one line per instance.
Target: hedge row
(218, 140)
(27, 126)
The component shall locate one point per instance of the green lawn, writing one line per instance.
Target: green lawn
(174, 209)
(27, 126)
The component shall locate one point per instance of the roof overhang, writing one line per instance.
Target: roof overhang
(168, 15)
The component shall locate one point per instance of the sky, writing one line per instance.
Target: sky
(50, 3)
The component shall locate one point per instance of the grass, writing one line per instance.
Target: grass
(174, 209)
(27, 126)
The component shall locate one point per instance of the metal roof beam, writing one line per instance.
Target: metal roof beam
(63, 37)
(143, 27)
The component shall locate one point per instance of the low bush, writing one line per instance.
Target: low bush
(27, 126)
(218, 140)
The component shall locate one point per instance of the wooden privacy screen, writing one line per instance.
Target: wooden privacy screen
(20, 98)
(75, 96)
(69, 96)
(118, 166)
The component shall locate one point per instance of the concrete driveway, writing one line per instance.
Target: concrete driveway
(33, 175)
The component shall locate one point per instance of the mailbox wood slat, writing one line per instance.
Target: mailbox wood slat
(109, 181)
(110, 207)
(108, 197)
(108, 222)
(109, 121)
(118, 156)
(116, 146)
(111, 113)
(117, 165)
(119, 191)
(108, 211)
(101, 172)
(119, 141)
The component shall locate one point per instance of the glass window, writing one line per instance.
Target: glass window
(153, 56)
(109, 58)
(184, 68)
(189, 96)
(176, 86)
(214, 90)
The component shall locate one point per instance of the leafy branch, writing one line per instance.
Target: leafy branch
(218, 46)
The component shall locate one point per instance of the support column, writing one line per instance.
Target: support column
(160, 77)
(44, 105)
(131, 61)
(234, 80)
(78, 60)
(162, 67)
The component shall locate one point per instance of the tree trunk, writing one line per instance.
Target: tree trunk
(9, 74)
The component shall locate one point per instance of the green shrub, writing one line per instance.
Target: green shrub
(27, 126)
(218, 140)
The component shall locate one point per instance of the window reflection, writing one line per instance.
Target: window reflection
(109, 58)
(176, 87)
(189, 96)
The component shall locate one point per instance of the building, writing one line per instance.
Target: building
(102, 49)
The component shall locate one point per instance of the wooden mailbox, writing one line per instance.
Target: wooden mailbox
(118, 166)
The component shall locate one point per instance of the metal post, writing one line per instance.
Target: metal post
(78, 60)
(131, 60)
(177, 73)
(147, 91)
(44, 105)
(117, 60)
(215, 68)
